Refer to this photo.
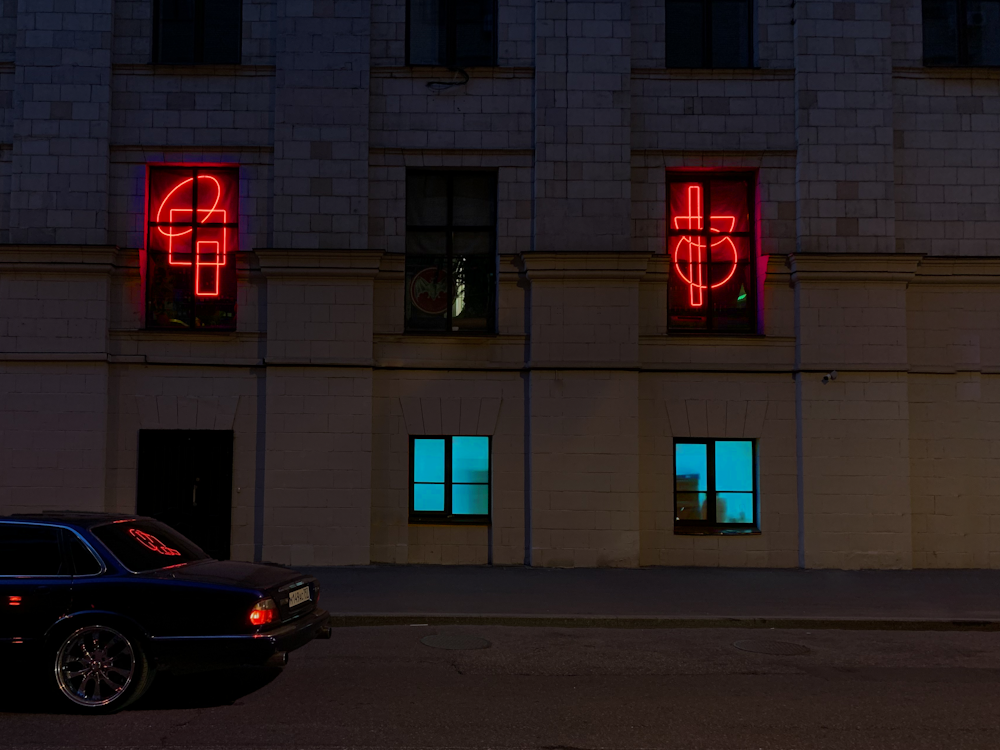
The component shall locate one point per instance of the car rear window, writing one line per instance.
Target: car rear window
(147, 545)
(29, 550)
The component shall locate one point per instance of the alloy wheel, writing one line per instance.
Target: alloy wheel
(95, 666)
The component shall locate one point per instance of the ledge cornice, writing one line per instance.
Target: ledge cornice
(58, 258)
(853, 267)
(585, 265)
(960, 270)
(276, 262)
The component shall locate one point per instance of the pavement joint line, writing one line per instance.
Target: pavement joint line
(368, 619)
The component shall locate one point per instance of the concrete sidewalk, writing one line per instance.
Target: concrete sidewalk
(662, 597)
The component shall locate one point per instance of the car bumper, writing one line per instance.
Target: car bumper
(232, 650)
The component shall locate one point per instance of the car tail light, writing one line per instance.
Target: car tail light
(264, 612)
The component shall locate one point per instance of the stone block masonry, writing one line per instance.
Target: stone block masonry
(876, 249)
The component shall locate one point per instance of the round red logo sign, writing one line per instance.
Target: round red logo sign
(429, 291)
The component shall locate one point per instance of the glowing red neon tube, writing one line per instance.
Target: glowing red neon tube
(691, 249)
(209, 255)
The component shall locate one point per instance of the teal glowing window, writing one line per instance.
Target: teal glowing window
(450, 479)
(715, 485)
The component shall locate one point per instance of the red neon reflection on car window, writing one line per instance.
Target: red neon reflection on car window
(210, 255)
(690, 250)
(151, 542)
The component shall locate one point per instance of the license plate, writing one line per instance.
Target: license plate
(298, 596)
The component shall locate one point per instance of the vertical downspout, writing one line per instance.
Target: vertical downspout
(526, 378)
(800, 488)
(261, 438)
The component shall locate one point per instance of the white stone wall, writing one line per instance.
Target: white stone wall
(61, 109)
(877, 220)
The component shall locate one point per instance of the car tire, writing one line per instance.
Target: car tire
(100, 668)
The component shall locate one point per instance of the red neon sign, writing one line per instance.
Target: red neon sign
(690, 250)
(177, 208)
(152, 543)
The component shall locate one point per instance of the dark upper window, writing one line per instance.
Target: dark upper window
(451, 255)
(191, 241)
(450, 479)
(30, 550)
(455, 33)
(962, 32)
(715, 487)
(709, 33)
(197, 32)
(711, 260)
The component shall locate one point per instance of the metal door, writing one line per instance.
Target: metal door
(185, 480)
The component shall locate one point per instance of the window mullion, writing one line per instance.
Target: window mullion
(962, 31)
(450, 33)
(706, 21)
(707, 227)
(710, 451)
(447, 476)
(199, 31)
(449, 251)
(194, 246)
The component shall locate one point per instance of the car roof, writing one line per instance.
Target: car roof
(78, 519)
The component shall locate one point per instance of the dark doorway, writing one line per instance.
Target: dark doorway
(186, 481)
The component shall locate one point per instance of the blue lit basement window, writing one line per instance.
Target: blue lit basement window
(450, 479)
(715, 487)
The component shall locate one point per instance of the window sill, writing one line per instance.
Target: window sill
(421, 520)
(187, 331)
(716, 531)
(437, 71)
(439, 335)
(194, 69)
(692, 333)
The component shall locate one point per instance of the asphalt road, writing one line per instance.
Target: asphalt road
(563, 689)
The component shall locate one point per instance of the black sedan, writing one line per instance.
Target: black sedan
(105, 601)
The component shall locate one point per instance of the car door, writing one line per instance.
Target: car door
(35, 580)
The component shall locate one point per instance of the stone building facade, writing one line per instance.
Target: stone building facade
(875, 254)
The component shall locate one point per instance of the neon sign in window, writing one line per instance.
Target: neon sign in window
(191, 241)
(151, 542)
(710, 244)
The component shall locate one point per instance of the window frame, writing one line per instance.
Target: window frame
(199, 37)
(961, 39)
(711, 526)
(195, 169)
(450, 22)
(448, 230)
(706, 178)
(446, 517)
(706, 37)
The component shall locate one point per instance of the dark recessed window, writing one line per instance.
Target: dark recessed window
(454, 33)
(962, 32)
(710, 241)
(450, 479)
(197, 32)
(715, 486)
(451, 258)
(191, 241)
(709, 34)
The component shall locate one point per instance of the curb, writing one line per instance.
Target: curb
(359, 619)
